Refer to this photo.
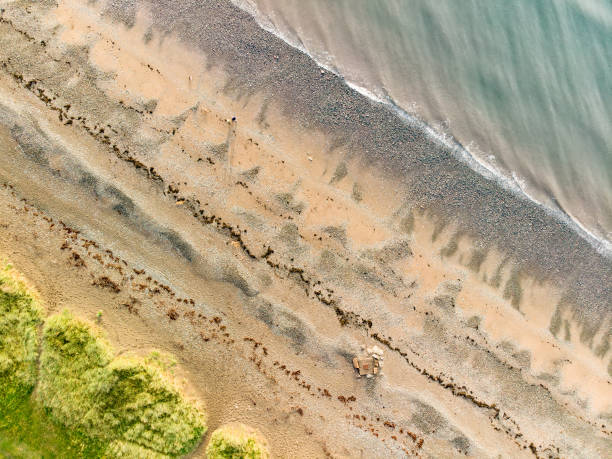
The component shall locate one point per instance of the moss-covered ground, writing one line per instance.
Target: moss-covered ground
(64, 394)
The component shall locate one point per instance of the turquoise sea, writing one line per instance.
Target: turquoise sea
(525, 86)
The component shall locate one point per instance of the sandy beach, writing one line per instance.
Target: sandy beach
(222, 198)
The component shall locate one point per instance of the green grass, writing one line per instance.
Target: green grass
(237, 441)
(66, 395)
(26, 431)
(122, 399)
(20, 318)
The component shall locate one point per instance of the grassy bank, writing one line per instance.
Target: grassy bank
(125, 402)
(20, 318)
(64, 394)
(25, 428)
(27, 431)
(237, 441)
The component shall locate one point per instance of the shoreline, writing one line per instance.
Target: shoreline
(263, 252)
(431, 176)
(599, 242)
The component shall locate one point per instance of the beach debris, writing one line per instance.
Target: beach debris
(369, 363)
(310, 158)
(322, 72)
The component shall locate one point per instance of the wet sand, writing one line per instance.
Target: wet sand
(263, 251)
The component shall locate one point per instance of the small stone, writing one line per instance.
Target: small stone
(310, 158)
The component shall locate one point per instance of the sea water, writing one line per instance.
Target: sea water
(525, 86)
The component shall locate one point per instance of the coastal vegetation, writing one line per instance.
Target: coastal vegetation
(125, 402)
(20, 317)
(65, 394)
(237, 441)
